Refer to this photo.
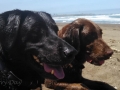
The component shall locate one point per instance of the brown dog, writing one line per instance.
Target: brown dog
(86, 37)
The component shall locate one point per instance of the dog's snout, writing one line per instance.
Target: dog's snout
(70, 52)
(67, 53)
(109, 52)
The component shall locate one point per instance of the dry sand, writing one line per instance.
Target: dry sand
(110, 71)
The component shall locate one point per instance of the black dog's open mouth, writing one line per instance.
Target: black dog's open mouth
(55, 70)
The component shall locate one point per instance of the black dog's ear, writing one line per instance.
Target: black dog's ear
(8, 34)
(48, 19)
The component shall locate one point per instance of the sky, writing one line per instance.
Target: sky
(59, 6)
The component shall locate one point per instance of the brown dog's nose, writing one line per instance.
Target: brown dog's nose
(109, 52)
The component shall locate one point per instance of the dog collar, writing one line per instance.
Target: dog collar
(8, 80)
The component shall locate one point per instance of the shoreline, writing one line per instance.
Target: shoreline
(58, 23)
(114, 26)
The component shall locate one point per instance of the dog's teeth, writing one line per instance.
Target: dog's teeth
(52, 72)
(41, 64)
(37, 60)
(90, 61)
(35, 57)
(37, 81)
(87, 51)
(71, 65)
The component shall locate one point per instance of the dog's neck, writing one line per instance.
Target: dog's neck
(7, 78)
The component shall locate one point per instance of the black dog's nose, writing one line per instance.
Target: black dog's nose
(70, 53)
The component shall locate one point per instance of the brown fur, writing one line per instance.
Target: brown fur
(86, 37)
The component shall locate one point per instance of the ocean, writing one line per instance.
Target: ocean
(98, 18)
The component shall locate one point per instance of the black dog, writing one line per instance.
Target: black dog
(30, 50)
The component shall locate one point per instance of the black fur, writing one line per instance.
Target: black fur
(27, 33)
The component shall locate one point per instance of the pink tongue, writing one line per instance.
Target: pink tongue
(58, 70)
(101, 62)
(89, 61)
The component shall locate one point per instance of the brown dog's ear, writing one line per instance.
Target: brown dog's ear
(70, 33)
(8, 31)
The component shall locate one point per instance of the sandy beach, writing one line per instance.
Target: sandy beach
(109, 72)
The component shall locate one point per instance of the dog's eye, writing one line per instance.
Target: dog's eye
(35, 31)
(42, 31)
(101, 32)
(93, 36)
(38, 32)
